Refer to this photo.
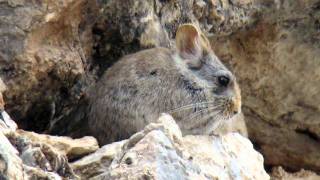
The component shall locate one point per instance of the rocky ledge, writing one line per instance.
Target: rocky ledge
(157, 152)
(51, 51)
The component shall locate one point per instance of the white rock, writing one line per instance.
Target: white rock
(73, 148)
(160, 152)
(97, 162)
(10, 164)
(227, 157)
(6, 122)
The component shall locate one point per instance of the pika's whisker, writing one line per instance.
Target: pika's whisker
(211, 115)
(194, 115)
(190, 106)
(205, 118)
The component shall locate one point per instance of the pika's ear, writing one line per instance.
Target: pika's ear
(188, 42)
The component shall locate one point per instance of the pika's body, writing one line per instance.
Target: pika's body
(188, 82)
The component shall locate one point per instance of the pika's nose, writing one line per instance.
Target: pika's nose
(236, 108)
(235, 112)
(236, 100)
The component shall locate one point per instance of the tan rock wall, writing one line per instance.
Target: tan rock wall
(277, 64)
(44, 47)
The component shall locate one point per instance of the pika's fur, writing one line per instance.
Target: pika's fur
(188, 82)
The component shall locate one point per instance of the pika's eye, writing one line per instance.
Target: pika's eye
(223, 81)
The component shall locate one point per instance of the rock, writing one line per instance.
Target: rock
(40, 160)
(36, 173)
(276, 63)
(138, 24)
(279, 173)
(3, 87)
(97, 162)
(44, 49)
(72, 148)
(1, 102)
(6, 123)
(160, 152)
(28, 155)
(10, 164)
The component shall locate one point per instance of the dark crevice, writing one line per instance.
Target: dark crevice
(308, 133)
(110, 48)
(256, 145)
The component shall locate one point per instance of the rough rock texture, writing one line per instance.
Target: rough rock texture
(137, 24)
(157, 152)
(50, 51)
(25, 155)
(279, 174)
(277, 64)
(3, 87)
(10, 163)
(98, 162)
(42, 158)
(49, 48)
(160, 152)
(6, 123)
(22, 159)
(72, 148)
(44, 47)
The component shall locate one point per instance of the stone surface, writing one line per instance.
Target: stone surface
(3, 87)
(72, 148)
(30, 161)
(40, 160)
(97, 163)
(44, 48)
(10, 164)
(1, 102)
(26, 155)
(6, 123)
(138, 24)
(280, 174)
(160, 152)
(276, 62)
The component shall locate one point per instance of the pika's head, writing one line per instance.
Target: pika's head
(222, 94)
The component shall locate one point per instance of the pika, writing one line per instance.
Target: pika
(189, 82)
